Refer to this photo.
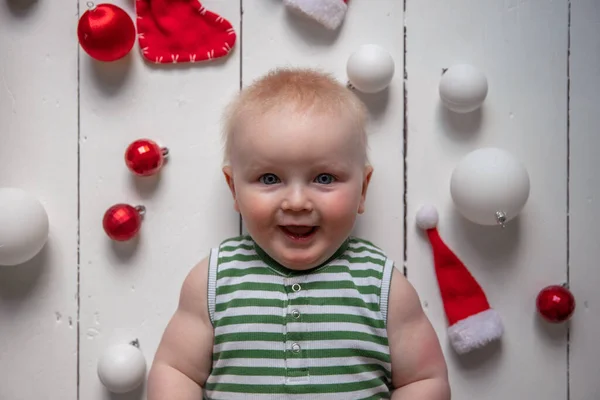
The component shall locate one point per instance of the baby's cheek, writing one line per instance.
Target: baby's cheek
(255, 207)
(341, 206)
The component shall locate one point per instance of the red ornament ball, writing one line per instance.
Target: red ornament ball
(555, 303)
(122, 222)
(144, 157)
(106, 32)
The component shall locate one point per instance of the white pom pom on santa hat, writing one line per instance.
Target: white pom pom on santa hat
(329, 13)
(427, 217)
(472, 322)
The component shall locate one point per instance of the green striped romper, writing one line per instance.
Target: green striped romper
(283, 334)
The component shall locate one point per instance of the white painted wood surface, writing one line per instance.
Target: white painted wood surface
(38, 153)
(129, 291)
(584, 195)
(521, 46)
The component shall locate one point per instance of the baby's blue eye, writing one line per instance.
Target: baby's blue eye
(269, 179)
(325, 179)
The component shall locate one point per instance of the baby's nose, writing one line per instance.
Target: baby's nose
(297, 199)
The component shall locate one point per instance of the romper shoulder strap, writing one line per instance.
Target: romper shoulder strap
(386, 280)
(224, 248)
(213, 262)
(380, 257)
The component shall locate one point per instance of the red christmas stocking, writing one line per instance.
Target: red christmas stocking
(175, 31)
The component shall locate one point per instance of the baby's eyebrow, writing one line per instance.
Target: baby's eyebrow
(332, 165)
(258, 167)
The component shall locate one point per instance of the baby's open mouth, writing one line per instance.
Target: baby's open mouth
(298, 231)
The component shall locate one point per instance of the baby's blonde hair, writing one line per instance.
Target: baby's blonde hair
(304, 90)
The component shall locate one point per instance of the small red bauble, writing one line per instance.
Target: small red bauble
(555, 303)
(122, 222)
(144, 157)
(106, 32)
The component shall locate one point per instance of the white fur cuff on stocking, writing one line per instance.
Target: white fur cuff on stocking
(329, 13)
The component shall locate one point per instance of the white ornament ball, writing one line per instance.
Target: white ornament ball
(489, 186)
(370, 69)
(24, 226)
(122, 368)
(463, 88)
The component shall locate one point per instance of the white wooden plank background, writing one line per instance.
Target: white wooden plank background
(521, 46)
(38, 153)
(129, 291)
(584, 191)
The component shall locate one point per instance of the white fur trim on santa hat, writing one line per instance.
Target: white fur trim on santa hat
(330, 13)
(427, 217)
(475, 331)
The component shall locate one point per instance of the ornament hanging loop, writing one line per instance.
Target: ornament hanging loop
(501, 218)
(141, 210)
(165, 151)
(91, 5)
(135, 343)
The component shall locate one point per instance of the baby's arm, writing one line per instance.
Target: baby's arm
(183, 359)
(418, 367)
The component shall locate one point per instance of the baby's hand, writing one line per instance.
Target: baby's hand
(183, 359)
(418, 367)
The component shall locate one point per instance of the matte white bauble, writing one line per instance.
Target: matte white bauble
(370, 69)
(489, 186)
(24, 226)
(122, 368)
(463, 88)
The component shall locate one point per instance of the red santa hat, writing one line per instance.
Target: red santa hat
(329, 13)
(472, 322)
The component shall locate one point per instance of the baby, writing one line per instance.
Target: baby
(298, 308)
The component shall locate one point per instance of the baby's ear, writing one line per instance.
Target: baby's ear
(366, 181)
(228, 172)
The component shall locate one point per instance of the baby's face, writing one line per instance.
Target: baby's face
(299, 183)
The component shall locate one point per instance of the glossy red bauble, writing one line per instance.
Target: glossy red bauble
(555, 303)
(122, 222)
(144, 157)
(106, 32)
